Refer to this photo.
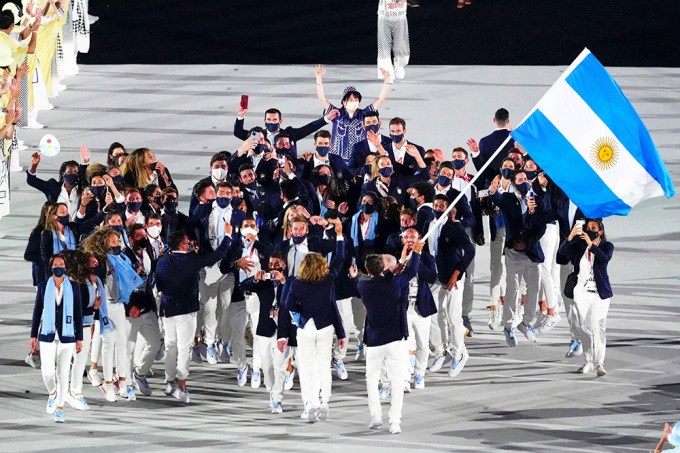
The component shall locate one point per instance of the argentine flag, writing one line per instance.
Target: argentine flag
(585, 134)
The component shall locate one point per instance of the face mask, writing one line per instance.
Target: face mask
(119, 228)
(247, 231)
(593, 234)
(397, 138)
(297, 240)
(259, 149)
(252, 185)
(116, 250)
(118, 180)
(523, 188)
(63, 219)
(367, 208)
(443, 181)
(438, 214)
(272, 127)
(98, 191)
(157, 200)
(368, 168)
(154, 231)
(223, 202)
(373, 128)
(351, 105)
(402, 229)
(70, 178)
(58, 271)
(235, 201)
(458, 163)
(506, 173)
(323, 150)
(134, 206)
(413, 202)
(324, 180)
(209, 200)
(386, 172)
(531, 175)
(152, 166)
(218, 173)
(171, 206)
(142, 244)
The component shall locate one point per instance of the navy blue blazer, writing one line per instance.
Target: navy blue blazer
(427, 275)
(410, 166)
(264, 171)
(424, 216)
(335, 162)
(286, 329)
(455, 251)
(194, 201)
(52, 188)
(174, 221)
(463, 210)
(518, 227)
(602, 254)
(317, 301)
(32, 254)
(294, 133)
(266, 293)
(201, 221)
(361, 149)
(487, 146)
(386, 300)
(398, 185)
(177, 279)
(59, 315)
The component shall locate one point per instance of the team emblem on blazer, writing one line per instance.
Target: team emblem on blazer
(399, 190)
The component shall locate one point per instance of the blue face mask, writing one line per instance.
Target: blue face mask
(458, 164)
(116, 250)
(297, 240)
(58, 271)
(119, 228)
(223, 202)
(71, 178)
(63, 219)
(506, 173)
(523, 188)
(134, 206)
(272, 127)
(531, 175)
(98, 191)
(373, 128)
(323, 150)
(438, 214)
(397, 138)
(324, 179)
(118, 180)
(443, 181)
(259, 149)
(413, 202)
(386, 172)
(367, 208)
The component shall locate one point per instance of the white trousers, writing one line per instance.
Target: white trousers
(419, 331)
(80, 361)
(393, 39)
(359, 317)
(116, 340)
(253, 314)
(549, 243)
(143, 330)
(55, 360)
(225, 292)
(179, 336)
(518, 266)
(215, 291)
(238, 318)
(394, 358)
(452, 304)
(497, 267)
(572, 319)
(438, 323)
(345, 309)
(591, 312)
(265, 347)
(96, 345)
(314, 357)
(468, 285)
(280, 367)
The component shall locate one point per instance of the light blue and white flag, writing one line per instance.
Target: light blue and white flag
(585, 134)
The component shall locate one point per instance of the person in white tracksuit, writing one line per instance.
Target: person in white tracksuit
(393, 38)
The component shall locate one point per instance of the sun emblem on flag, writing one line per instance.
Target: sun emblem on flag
(604, 153)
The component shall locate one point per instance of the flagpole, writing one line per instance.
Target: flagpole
(445, 215)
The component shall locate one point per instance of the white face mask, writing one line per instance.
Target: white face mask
(248, 231)
(154, 231)
(351, 105)
(218, 173)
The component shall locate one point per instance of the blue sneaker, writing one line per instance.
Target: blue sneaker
(437, 363)
(528, 331)
(419, 381)
(360, 352)
(457, 364)
(275, 405)
(510, 337)
(575, 348)
(196, 354)
(256, 379)
(340, 370)
(130, 393)
(59, 416)
(211, 355)
(242, 376)
(51, 404)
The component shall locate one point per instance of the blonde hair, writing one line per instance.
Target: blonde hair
(135, 163)
(94, 169)
(97, 244)
(50, 221)
(313, 268)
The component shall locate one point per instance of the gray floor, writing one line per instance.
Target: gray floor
(523, 399)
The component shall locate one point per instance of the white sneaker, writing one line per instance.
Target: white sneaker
(323, 411)
(130, 393)
(92, 19)
(51, 403)
(33, 124)
(275, 405)
(340, 370)
(586, 368)
(419, 381)
(93, 376)
(550, 322)
(109, 392)
(528, 331)
(181, 396)
(407, 387)
(437, 363)
(289, 380)
(47, 107)
(376, 423)
(399, 72)
(142, 384)
(169, 388)
(256, 379)
(599, 369)
(540, 320)
(458, 363)
(242, 376)
(311, 411)
(33, 360)
(395, 428)
(77, 402)
(492, 318)
(58, 86)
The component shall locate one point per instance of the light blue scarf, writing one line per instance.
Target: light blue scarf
(128, 280)
(50, 308)
(105, 323)
(370, 236)
(58, 245)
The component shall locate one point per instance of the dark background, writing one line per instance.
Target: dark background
(490, 32)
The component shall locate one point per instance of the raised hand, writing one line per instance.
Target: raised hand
(85, 155)
(473, 145)
(319, 70)
(386, 75)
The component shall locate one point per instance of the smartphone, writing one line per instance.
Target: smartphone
(482, 193)
(244, 101)
(531, 193)
(581, 222)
